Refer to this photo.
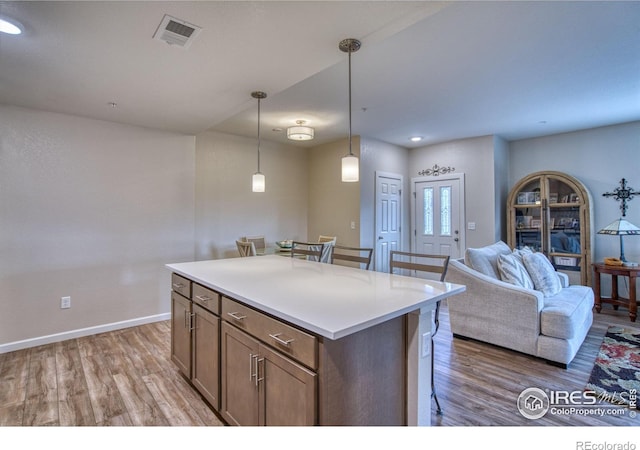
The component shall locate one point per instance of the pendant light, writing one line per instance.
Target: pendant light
(350, 169)
(258, 180)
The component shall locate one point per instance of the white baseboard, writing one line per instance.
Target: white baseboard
(34, 342)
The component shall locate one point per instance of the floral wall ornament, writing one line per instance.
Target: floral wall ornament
(437, 170)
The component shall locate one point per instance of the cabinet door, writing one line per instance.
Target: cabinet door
(181, 333)
(205, 343)
(287, 391)
(239, 360)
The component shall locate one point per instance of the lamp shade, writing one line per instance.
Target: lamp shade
(350, 170)
(300, 133)
(620, 227)
(258, 182)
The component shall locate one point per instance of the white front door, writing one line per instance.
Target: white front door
(388, 218)
(438, 215)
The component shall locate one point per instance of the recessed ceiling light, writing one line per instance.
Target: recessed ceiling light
(415, 138)
(10, 26)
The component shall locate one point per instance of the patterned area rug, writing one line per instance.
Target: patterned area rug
(616, 373)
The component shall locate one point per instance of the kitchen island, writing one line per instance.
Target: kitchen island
(285, 341)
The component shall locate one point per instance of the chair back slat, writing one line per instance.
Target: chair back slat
(258, 241)
(246, 248)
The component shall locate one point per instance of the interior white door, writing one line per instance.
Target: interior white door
(438, 216)
(388, 218)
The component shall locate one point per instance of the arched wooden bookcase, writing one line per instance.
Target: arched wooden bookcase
(551, 212)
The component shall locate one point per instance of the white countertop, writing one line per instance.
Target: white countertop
(330, 300)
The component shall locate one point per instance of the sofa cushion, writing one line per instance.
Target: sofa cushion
(485, 259)
(512, 271)
(564, 314)
(542, 273)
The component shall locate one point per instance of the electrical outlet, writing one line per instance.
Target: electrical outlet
(426, 344)
(65, 302)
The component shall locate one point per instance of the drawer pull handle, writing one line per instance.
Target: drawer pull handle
(203, 298)
(178, 285)
(236, 315)
(277, 338)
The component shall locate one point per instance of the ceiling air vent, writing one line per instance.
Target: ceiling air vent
(176, 32)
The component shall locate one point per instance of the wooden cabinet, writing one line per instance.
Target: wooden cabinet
(181, 333)
(550, 212)
(262, 386)
(205, 338)
(256, 369)
(195, 336)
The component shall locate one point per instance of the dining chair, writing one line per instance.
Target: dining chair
(353, 254)
(312, 250)
(330, 241)
(258, 242)
(246, 248)
(434, 267)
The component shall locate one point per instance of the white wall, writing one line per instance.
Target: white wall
(501, 181)
(92, 210)
(227, 209)
(475, 157)
(333, 205)
(383, 157)
(600, 158)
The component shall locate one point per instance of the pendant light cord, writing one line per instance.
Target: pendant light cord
(350, 152)
(258, 135)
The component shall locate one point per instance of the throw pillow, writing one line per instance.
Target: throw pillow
(542, 273)
(513, 271)
(520, 252)
(485, 259)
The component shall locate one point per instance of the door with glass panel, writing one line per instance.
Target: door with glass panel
(437, 216)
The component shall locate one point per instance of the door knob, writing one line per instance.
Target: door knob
(456, 239)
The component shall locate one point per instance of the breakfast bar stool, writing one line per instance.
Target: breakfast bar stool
(430, 264)
(352, 254)
(312, 250)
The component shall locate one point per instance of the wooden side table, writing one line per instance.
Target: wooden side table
(615, 300)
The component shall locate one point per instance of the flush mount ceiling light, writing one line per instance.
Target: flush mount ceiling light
(300, 132)
(10, 26)
(415, 138)
(350, 169)
(258, 180)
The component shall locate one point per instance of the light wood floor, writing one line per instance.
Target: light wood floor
(126, 378)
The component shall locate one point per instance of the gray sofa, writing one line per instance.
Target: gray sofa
(503, 314)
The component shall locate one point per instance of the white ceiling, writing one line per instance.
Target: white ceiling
(442, 70)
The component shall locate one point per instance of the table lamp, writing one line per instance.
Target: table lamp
(621, 228)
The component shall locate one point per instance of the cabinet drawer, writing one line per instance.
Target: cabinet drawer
(287, 339)
(206, 298)
(181, 285)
